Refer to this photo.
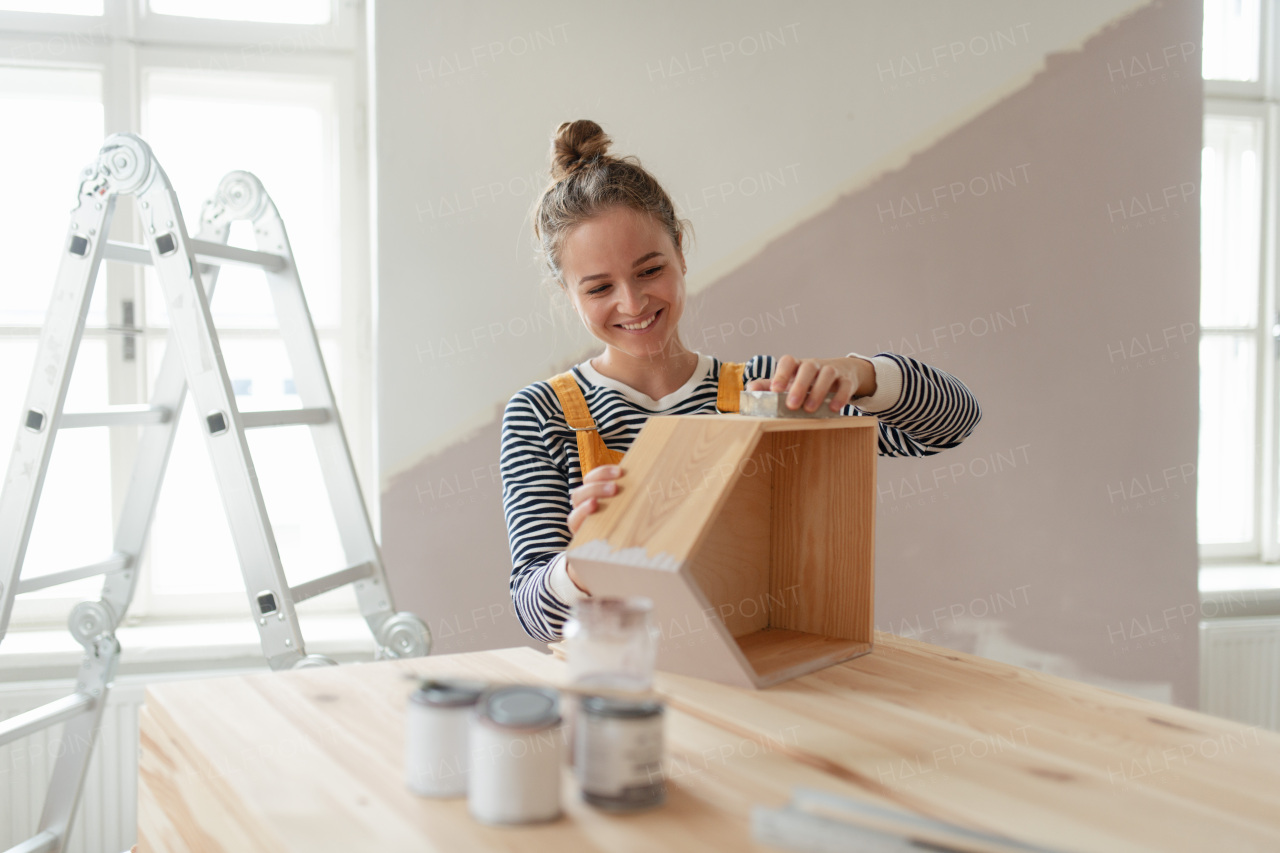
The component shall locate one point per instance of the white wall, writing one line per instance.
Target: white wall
(464, 127)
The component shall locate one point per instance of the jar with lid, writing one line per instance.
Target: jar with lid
(516, 756)
(437, 733)
(618, 753)
(611, 642)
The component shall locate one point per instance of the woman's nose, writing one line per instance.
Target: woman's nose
(633, 300)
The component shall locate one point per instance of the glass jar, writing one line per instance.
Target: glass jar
(612, 642)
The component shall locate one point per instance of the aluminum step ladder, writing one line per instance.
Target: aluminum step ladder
(187, 269)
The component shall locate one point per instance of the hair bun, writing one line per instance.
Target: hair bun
(575, 144)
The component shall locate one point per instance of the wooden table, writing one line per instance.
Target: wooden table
(313, 760)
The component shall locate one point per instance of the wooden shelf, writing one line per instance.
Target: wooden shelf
(777, 654)
(748, 534)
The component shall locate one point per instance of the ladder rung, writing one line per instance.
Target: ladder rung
(57, 711)
(127, 252)
(114, 563)
(217, 253)
(311, 589)
(284, 417)
(205, 252)
(117, 416)
(44, 842)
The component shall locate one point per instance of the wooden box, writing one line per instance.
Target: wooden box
(755, 538)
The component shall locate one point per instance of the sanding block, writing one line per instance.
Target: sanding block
(773, 404)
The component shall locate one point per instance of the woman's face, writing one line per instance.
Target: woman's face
(626, 279)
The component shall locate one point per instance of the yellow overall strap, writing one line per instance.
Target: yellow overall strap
(730, 385)
(592, 451)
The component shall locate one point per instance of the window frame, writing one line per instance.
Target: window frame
(1264, 533)
(133, 20)
(123, 45)
(1259, 99)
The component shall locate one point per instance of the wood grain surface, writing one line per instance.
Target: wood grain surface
(823, 532)
(769, 522)
(779, 654)
(733, 561)
(313, 760)
(675, 479)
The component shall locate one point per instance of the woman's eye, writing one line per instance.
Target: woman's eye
(652, 271)
(601, 289)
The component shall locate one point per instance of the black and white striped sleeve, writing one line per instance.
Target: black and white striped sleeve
(922, 410)
(934, 410)
(535, 501)
(759, 367)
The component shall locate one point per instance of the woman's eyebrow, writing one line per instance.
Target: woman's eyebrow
(634, 264)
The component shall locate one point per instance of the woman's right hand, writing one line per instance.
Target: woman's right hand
(599, 483)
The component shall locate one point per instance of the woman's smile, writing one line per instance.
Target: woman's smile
(642, 325)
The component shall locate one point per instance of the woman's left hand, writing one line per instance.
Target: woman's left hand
(809, 381)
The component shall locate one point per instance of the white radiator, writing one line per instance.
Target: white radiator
(1240, 670)
(106, 819)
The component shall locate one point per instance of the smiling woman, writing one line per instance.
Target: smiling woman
(611, 240)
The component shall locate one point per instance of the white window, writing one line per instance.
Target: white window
(273, 87)
(1239, 500)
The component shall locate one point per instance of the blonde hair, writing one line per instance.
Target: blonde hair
(586, 181)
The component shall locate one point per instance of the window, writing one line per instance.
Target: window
(269, 86)
(57, 7)
(267, 11)
(1239, 500)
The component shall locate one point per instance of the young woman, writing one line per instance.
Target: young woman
(611, 240)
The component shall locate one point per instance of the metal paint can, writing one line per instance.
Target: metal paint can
(437, 737)
(516, 755)
(618, 753)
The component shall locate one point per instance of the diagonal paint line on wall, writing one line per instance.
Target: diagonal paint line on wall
(900, 159)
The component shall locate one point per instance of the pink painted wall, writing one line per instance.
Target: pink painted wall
(1046, 252)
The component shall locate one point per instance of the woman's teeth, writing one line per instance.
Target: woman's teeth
(635, 327)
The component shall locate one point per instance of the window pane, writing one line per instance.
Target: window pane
(297, 502)
(192, 549)
(53, 126)
(268, 11)
(261, 374)
(57, 7)
(18, 355)
(1226, 469)
(1230, 221)
(202, 126)
(73, 525)
(1231, 38)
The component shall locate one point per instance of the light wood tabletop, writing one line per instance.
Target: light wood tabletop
(313, 760)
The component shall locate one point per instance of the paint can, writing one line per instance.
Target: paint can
(618, 753)
(516, 755)
(437, 737)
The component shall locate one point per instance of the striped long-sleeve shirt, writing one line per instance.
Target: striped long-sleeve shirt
(922, 410)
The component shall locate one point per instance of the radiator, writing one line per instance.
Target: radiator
(1240, 670)
(106, 819)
